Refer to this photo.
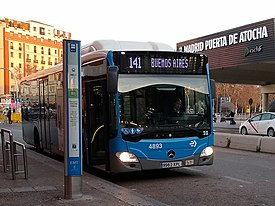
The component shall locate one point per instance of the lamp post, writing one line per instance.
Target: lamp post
(14, 77)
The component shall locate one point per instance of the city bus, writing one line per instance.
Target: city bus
(126, 121)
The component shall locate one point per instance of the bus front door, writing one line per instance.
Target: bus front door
(96, 124)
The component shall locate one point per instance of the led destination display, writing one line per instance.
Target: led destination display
(160, 62)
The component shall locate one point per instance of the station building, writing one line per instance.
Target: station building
(25, 47)
(243, 55)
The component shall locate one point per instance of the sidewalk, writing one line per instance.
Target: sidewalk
(45, 187)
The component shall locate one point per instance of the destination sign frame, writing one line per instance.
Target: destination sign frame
(153, 62)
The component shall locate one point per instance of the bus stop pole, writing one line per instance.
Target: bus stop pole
(73, 119)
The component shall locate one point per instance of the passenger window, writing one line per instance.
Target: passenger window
(256, 118)
(265, 117)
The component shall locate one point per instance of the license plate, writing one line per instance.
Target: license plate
(189, 162)
(171, 164)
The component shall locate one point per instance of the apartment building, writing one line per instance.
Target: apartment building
(26, 47)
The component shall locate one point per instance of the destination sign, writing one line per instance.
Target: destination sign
(154, 62)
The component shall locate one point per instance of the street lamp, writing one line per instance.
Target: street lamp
(14, 77)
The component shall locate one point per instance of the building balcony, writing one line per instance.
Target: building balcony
(50, 63)
(28, 60)
(43, 62)
(35, 61)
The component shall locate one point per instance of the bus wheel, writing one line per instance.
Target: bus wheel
(36, 141)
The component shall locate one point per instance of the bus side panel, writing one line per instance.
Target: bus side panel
(29, 123)
(27, 131)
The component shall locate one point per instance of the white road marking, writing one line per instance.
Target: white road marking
(237, 179)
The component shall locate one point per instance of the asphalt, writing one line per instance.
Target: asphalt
(45, 186)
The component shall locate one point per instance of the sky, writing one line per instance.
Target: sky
(163, 21)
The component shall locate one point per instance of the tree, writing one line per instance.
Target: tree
(240, 94)
(29, 69)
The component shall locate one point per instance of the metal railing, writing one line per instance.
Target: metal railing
(10, 154)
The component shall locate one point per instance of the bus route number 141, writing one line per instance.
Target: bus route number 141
(134, 62)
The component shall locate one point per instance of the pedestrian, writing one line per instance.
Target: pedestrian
(9, 116)
(5, 112)
(232, 114)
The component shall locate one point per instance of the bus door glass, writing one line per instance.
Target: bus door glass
(44, 120)
(96, 129)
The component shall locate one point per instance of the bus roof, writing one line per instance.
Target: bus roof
(42, 73)
(125, 46)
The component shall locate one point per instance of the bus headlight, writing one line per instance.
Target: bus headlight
(207, 152)
(126, 157)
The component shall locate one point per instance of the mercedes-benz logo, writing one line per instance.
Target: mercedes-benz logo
(171, 154)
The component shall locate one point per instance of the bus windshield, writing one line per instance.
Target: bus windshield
(164, 107)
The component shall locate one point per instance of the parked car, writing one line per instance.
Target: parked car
(261, 124)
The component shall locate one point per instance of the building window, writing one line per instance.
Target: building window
(11, 64)
(42, 60)
(11, 45)
(34, 49)
(20, 47)
(49, 51)
(42, 31)
(34, 28)
(11, 24)
(28, 58)
(20, 55)
(42, 50)
(49, 61)
(20, 66)
(55, 51)
(35, 60)
(11, 54)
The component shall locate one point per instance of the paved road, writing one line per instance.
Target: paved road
(236, 178)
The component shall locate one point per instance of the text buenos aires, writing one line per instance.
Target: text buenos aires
(181, 63)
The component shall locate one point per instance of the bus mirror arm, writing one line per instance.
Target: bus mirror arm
(112, 76)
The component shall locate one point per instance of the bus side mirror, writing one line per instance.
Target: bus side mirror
(112, 76)
(213, 88)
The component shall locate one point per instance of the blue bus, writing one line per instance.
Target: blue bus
(130, 91)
